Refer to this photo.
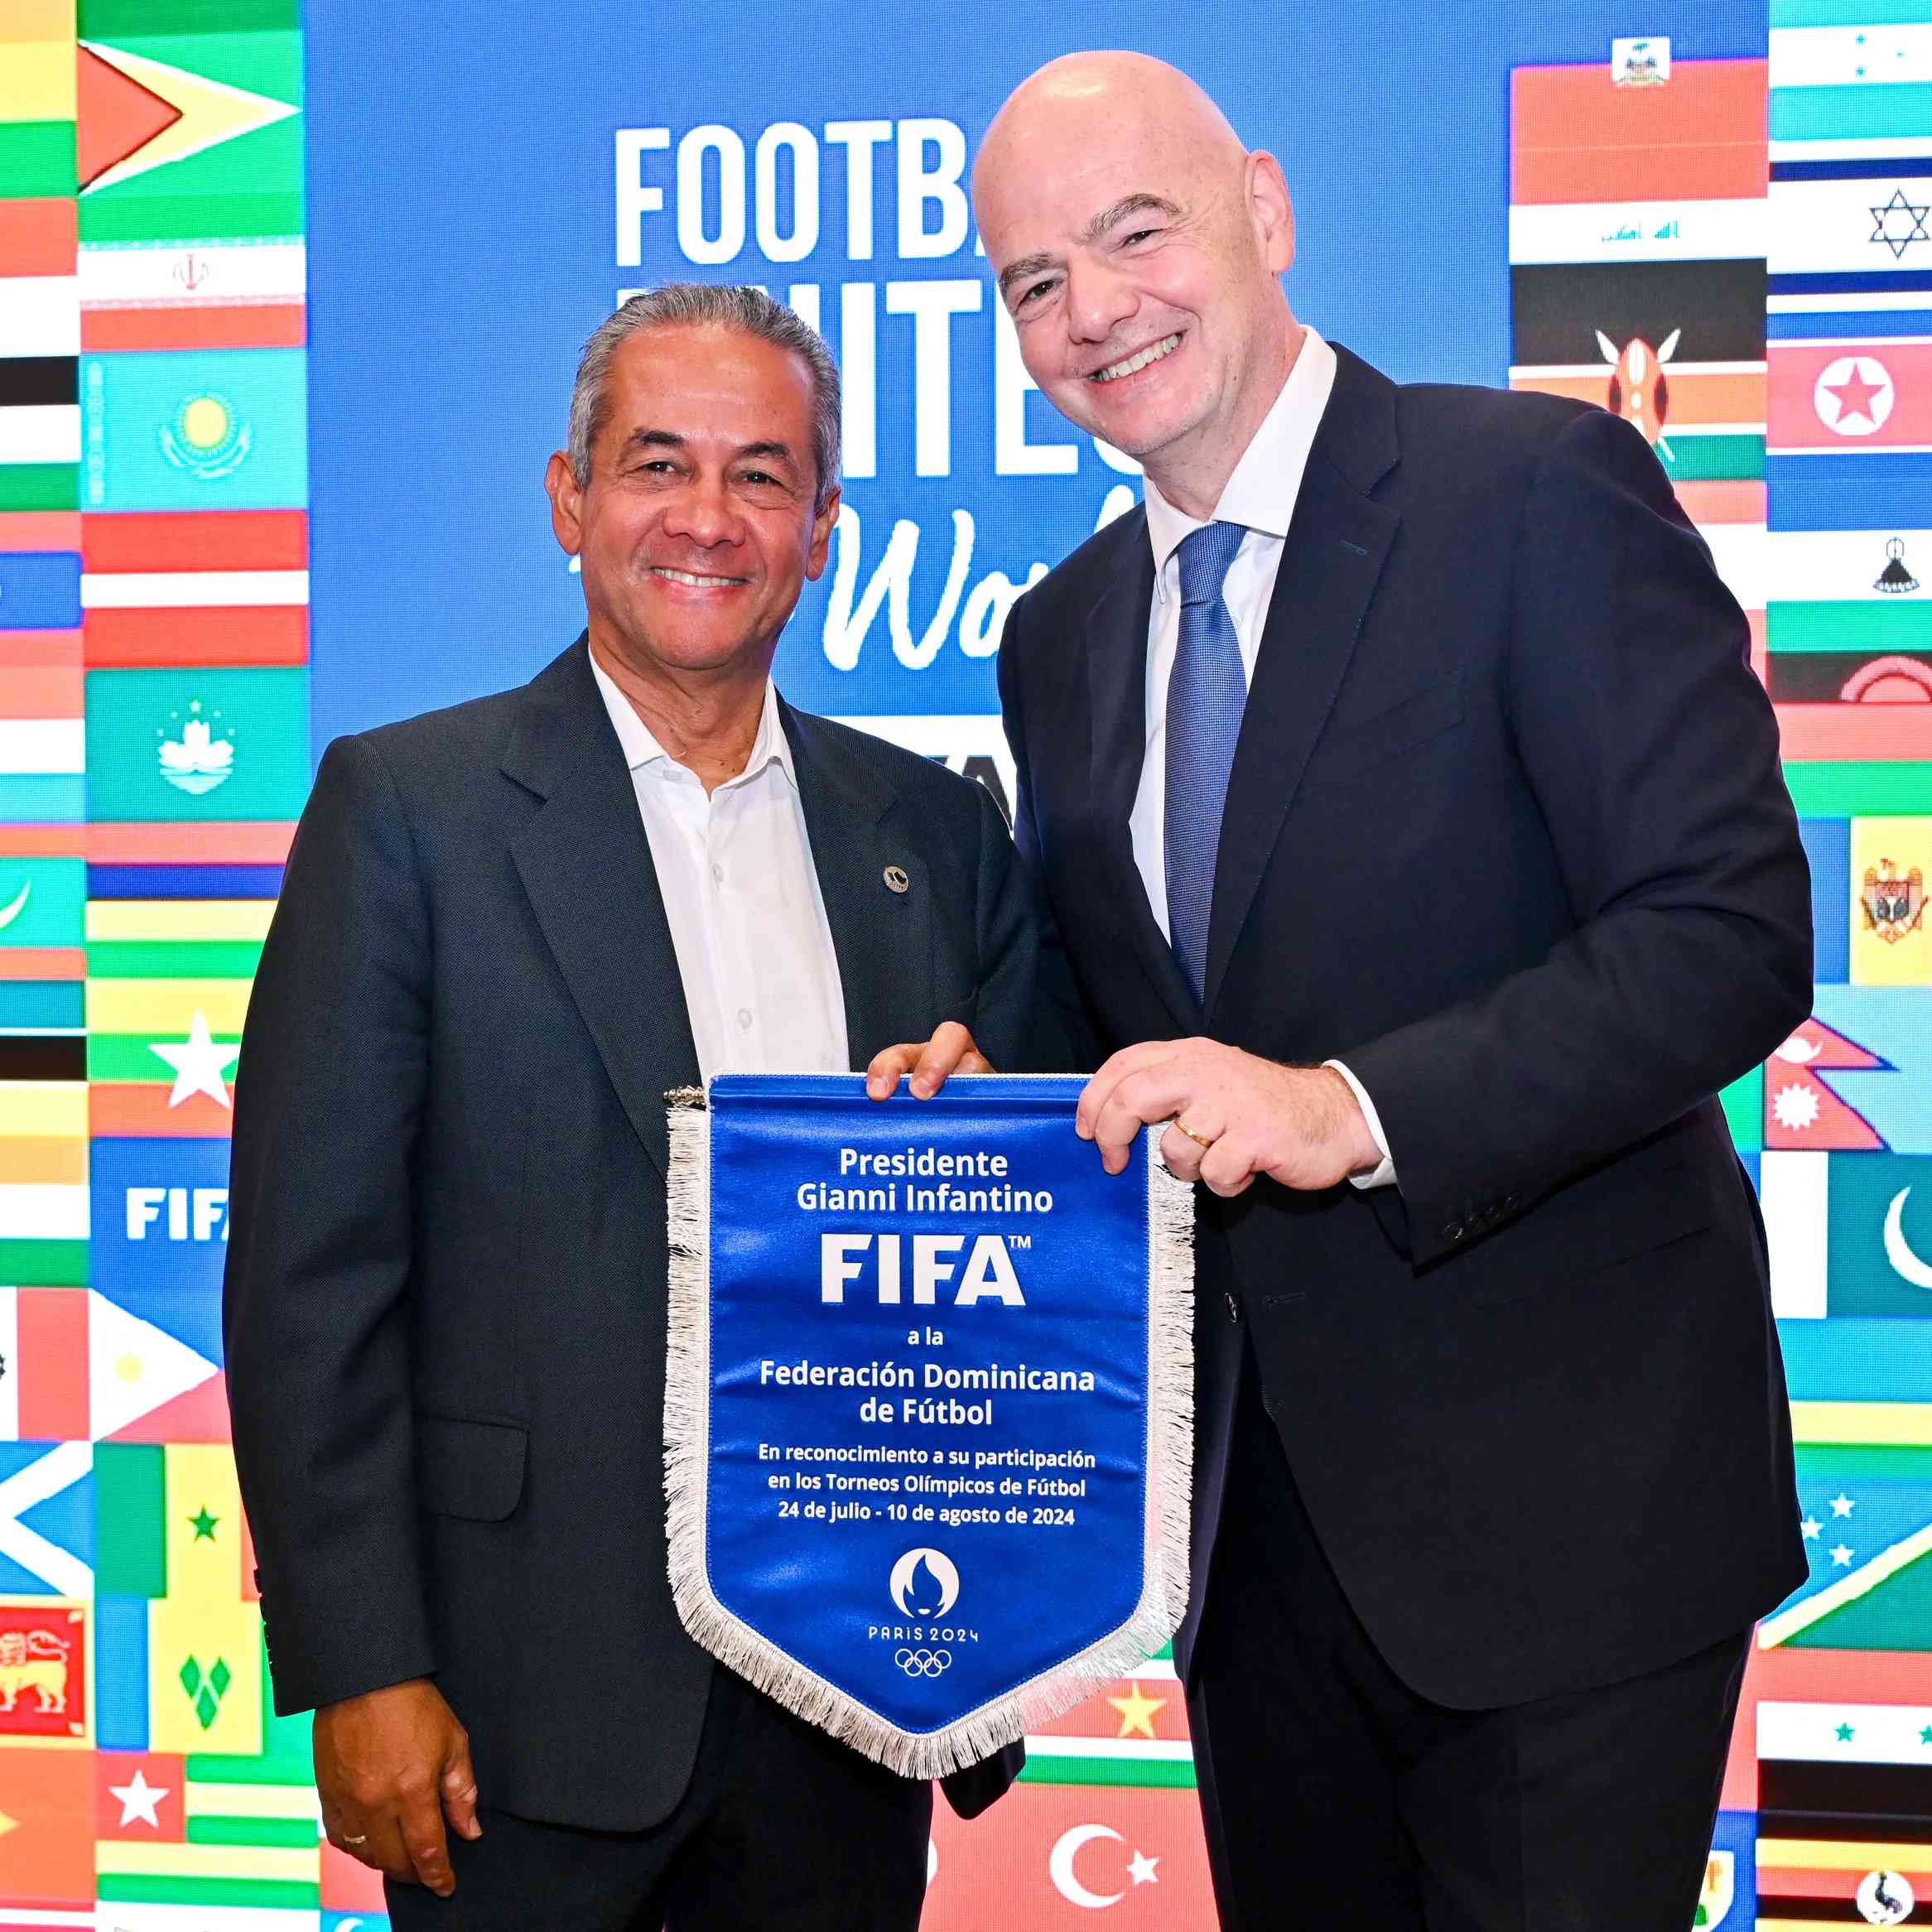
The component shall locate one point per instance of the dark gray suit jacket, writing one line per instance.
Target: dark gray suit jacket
(445, 1308)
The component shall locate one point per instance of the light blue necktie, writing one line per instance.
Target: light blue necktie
(1206, 696)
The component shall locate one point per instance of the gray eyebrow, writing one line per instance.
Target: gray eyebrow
(1095, 228)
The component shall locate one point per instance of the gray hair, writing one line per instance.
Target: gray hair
(683, 305)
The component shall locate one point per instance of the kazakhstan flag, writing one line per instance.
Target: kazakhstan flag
(194, 430)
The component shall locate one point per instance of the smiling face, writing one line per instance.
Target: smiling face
(1137, 248)
(698, 526)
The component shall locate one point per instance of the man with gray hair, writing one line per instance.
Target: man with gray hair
(506, 930)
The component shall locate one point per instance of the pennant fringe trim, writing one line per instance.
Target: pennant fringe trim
(1170, 1452)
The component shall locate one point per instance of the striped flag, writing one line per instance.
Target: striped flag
(1577, 137)
(42, 761)
(1854, 236)
(167, 992)
(261, 1888)
(161, 1064)
(175, 938)
(1850, 620)
(42, 740)
(1677, 346)
(1133, 1732)
(40, 288)
(1846, 85)
(40, 418)
(1637, 252)
(38, 1220)
(176, 294)
(1844, 1812)
(1849, 458)
(41, 918)
(186, 588)
(41, 1241)
(40, 310)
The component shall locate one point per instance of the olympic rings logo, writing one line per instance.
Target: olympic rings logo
(923, 1663)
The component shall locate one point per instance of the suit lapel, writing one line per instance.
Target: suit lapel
(1337, 542)
(586, 867)
(883, 937)
(1117, 684)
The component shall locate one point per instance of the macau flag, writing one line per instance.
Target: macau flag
(195, 746)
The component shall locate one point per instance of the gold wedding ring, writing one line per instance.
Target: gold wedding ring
(362, 1837)
(1199, 1139)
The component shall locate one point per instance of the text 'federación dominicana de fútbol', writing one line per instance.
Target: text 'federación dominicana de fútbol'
(919, 1270)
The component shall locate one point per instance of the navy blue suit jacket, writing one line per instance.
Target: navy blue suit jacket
(1507, 831)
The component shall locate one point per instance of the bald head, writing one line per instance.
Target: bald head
(1081, 97)
(1138, 248)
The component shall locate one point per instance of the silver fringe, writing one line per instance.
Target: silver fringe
(1170, 1450)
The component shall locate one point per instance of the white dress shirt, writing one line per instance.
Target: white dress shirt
(1261, 496)
(755, 951)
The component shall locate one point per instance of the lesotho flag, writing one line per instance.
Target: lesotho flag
(928, 1413)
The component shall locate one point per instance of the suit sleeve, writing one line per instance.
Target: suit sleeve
(1061, 1038)
(1652, 752)
(328, 1098)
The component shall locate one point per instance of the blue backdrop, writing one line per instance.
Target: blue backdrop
(464, 236)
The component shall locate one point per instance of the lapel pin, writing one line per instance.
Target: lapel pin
(896, 879)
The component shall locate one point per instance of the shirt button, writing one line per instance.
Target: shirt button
(744, 1018)
(718, 873)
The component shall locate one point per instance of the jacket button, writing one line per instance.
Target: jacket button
(1454, 1231)
(1234, 1309)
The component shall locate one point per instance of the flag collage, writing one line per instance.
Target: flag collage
(153, 756)
(1801, 184)
(1735, 255)
(1745, 246)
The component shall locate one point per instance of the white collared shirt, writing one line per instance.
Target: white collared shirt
(1261, 496)
(755, 951)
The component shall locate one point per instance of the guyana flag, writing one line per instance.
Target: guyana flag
(189, 121)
